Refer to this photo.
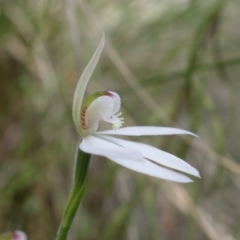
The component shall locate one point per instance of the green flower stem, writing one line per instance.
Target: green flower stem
(79, 184)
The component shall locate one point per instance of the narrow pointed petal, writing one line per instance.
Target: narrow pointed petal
(151, 169)
(129, 158)
(157, 155)
(97, 146)
(82, 84)
(144, 131)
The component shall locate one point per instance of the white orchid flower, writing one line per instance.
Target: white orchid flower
(105, 106)
(18, 235)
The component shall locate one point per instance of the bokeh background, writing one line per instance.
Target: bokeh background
(173, 62)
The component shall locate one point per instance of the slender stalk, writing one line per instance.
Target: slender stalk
(79, 184)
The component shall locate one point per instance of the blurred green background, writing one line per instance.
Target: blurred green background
(173, 62)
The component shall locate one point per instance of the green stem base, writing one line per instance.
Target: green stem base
(79, 184)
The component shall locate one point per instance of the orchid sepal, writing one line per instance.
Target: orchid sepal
(82, 84)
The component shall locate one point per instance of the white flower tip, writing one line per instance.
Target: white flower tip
(195, 135)
(187, 181)
(18, 235)
(193, 171)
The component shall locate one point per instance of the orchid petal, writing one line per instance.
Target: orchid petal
(82, 84)
(154, 170)
(145, 130)
(100, 109)
(157, 155)
(97, 146)
(129, 158)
